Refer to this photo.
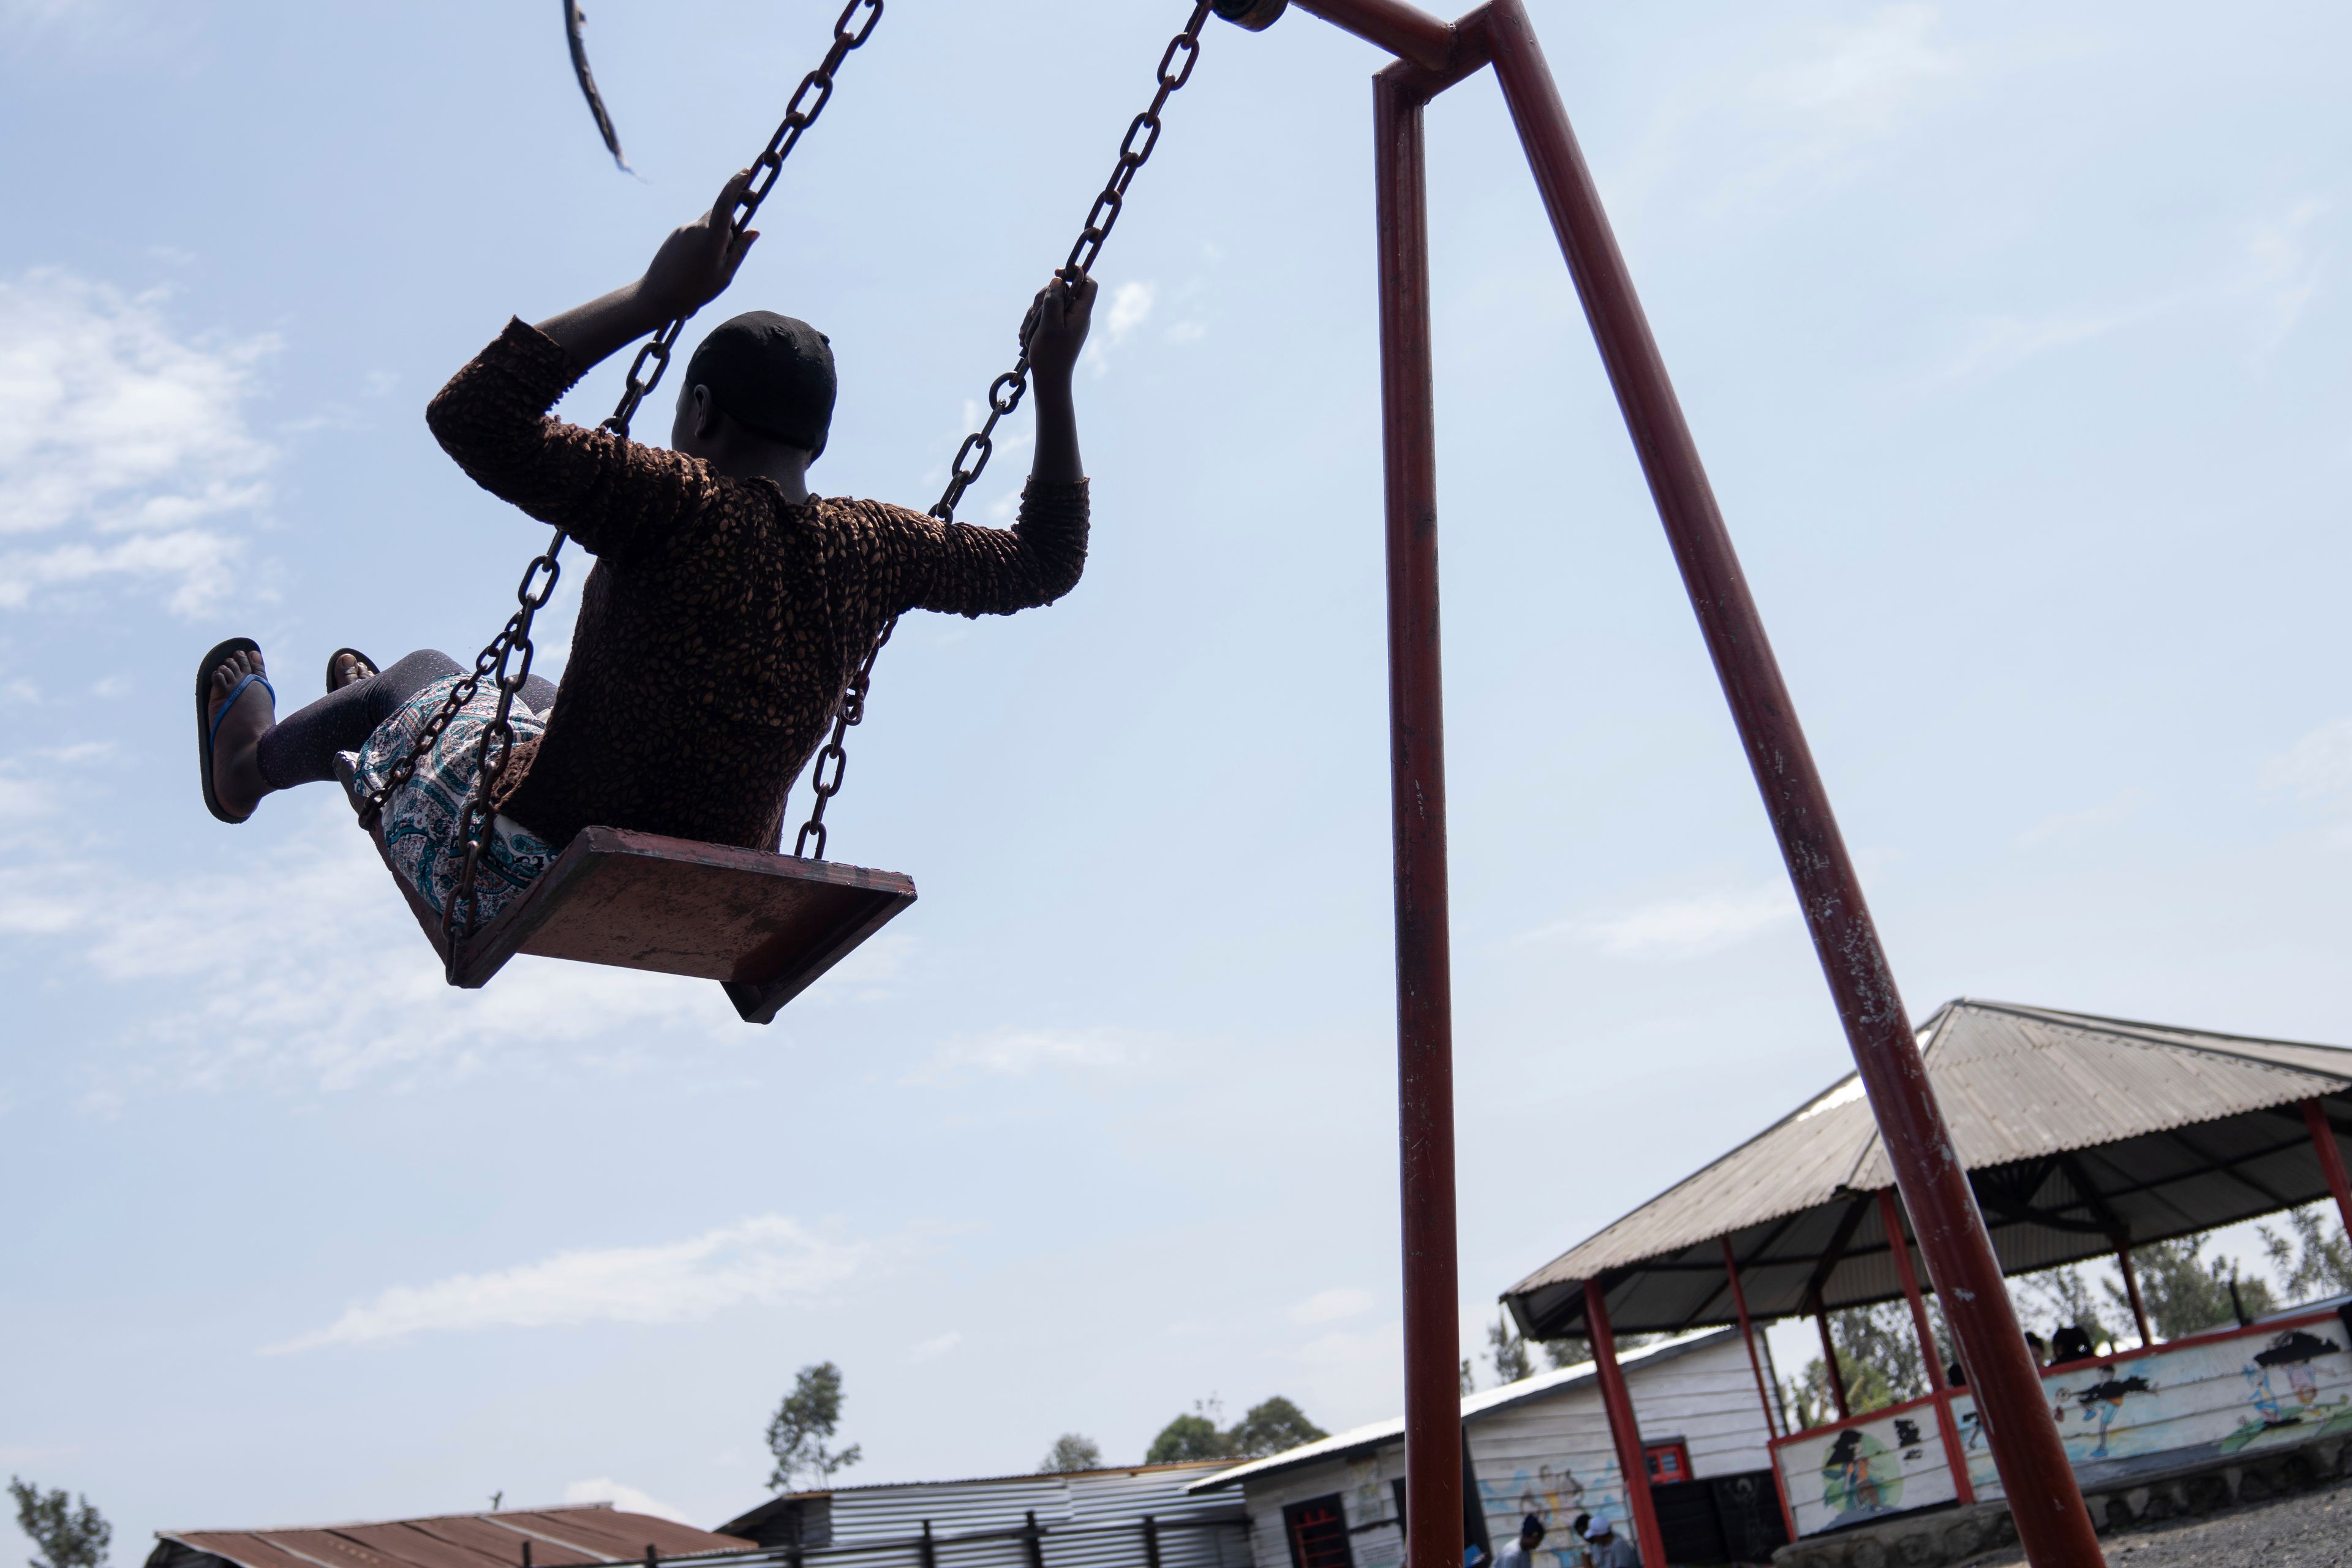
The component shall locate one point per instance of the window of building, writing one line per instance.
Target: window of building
(1317, 1532)
(1669, 1462)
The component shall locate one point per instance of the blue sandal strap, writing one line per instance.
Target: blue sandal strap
(235, 692)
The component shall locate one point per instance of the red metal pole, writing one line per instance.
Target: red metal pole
(1404, 30)
(2052, 1522)
(1955, 1458)
(1763, 1390)
(2131, 1290)
(1830, 1363)
(2331, 1159)
(1433, 1335)
(1748, 1337)
(1623, 1430)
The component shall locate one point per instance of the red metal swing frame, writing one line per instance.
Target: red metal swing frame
(1434, 55)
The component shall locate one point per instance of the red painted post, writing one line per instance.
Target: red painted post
(1748, 1337)
(1763, 1392)
(2331, 1159)
(1830, 1363)
(1432, 1339)
(2052, 1524)
(1890, 1215)
(1623, 1430)
(2131, 1291)
(1405, 31)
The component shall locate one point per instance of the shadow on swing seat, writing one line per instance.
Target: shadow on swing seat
(768, 926)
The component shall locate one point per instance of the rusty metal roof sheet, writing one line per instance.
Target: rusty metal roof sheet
(2074, 1129)
(559, 1537)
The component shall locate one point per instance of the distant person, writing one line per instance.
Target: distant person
(1521, 1552)
(2038, 1348)
(1606, 1550)
(2072, 1343)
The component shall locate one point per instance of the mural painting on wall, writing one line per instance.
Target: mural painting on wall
(1554, 1494)
(2272, 1387)
(1378, 1536)
(1879, 1464)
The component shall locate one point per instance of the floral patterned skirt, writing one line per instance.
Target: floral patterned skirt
(421, 820)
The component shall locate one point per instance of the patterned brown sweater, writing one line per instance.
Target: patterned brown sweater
(720, 620)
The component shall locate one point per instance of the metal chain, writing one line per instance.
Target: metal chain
(855, 25)
(1005, 395)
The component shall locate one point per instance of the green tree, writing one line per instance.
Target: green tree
(1878, 1350)
(1469, 1377)
(69, 1536)
(1567, 1351)
(2313, 1258)
(1505, 1351)
(1193, 1436)
(1270, 1428)
(804, 1425)
(2185, 1291)
(1071, 1451)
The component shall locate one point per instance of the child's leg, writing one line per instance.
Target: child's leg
(301, 749)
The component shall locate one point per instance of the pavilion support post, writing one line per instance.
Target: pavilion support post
(2131, 1291)
(2052, 1524)
(1890, 1215)
(1830, 1361)
(1624, 1432)
(1405, 31)
(2331, 1159)
(1763, 1389)
(1432, 1386)
(1748, 1337)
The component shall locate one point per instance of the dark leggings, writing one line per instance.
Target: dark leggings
(300, 748)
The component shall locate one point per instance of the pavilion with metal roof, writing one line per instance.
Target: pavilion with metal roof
(2082, 1136)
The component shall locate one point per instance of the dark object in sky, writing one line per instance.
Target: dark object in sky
(574, 19)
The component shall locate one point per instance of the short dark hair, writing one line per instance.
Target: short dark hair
(772, 375)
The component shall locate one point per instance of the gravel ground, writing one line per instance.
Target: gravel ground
(2311, 1531)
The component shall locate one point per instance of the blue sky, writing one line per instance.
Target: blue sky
(2014, 340)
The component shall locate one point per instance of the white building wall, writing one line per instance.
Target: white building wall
(1539, 1452)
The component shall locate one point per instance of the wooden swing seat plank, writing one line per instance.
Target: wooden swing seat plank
(766, 926)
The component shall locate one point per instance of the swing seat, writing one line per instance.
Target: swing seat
(767, 926)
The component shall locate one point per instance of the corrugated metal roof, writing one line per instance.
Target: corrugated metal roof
(2073, 1127)
(559, 1538)
(1086, 1519)
(1381, 1433)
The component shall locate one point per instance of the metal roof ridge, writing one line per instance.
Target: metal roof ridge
(985, 1480)
(1473, 1405)
(1873, 1141)
(416, 1518)
(2131, 1029)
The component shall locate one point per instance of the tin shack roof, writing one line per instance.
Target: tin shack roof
(557, 1537)
(1386, 1434)
(2077, 1131)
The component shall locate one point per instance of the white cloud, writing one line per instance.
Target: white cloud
(125, 437)
(1131, 307)
(1021, 1053)
(1864, 78)
(2282, 274)
(604, 1489)
(327, 980)
(936, 1346)
(2075, 824)
(2317, 765)
(766, 1261)
(1330, 1306)
(23, 798)
(1679, 927)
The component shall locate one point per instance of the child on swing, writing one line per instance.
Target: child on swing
(727, 607)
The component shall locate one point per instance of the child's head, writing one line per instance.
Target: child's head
(769, 375)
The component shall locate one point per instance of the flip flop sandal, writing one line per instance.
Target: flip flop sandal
(365, 663)
(208, 724)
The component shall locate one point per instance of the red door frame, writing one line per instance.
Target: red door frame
(1435, 55)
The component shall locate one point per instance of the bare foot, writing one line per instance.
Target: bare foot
(237, 768)
(348, 669)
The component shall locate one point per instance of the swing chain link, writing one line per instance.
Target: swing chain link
(1005, 393)
(496, 748)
